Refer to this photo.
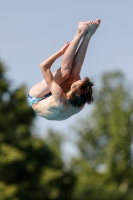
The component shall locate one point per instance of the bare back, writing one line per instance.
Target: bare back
(51, 110)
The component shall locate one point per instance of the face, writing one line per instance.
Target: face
(76, 84)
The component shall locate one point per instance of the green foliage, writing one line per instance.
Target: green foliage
(30, 168)
(106, 138)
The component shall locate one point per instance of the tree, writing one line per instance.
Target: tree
(106, 140)
(30, 167)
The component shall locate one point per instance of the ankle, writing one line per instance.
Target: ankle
(79, 34)
(88, 36)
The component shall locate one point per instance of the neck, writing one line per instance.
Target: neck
(67, 95)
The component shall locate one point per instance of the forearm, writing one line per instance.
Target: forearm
(46, 65)
(49, 61)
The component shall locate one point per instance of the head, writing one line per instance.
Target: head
(81, 92)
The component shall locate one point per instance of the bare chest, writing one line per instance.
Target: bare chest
(51, 110)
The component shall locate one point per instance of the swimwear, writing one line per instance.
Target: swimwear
(33, 100)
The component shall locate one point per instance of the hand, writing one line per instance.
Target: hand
(64, 48)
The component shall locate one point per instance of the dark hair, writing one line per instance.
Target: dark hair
(82, 94)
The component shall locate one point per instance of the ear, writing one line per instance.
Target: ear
(72, 89)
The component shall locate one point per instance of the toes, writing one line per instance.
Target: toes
(98, 21)
(66, 43)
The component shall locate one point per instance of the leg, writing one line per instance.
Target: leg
(41, 88)
(80, 55)
(69, 55)
(79, 58)
(77, 64)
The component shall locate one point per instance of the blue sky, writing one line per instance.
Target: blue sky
(30, 31)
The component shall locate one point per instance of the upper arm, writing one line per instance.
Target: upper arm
(53, 86)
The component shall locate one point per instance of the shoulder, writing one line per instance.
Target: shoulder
(77, 110)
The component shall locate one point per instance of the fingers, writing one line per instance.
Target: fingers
(67, 42)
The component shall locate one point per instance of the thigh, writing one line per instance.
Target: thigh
(41, 88)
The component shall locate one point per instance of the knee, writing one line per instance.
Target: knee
(66, 74)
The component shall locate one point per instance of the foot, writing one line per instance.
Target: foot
(90, 26)
(64, 48)
(92, 29)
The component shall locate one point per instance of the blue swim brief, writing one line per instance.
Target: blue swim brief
(33, 100)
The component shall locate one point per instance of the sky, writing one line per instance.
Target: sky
(30, 31)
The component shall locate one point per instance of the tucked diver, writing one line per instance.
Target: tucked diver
(63, 94)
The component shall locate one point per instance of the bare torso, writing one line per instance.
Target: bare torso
(51, 110)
